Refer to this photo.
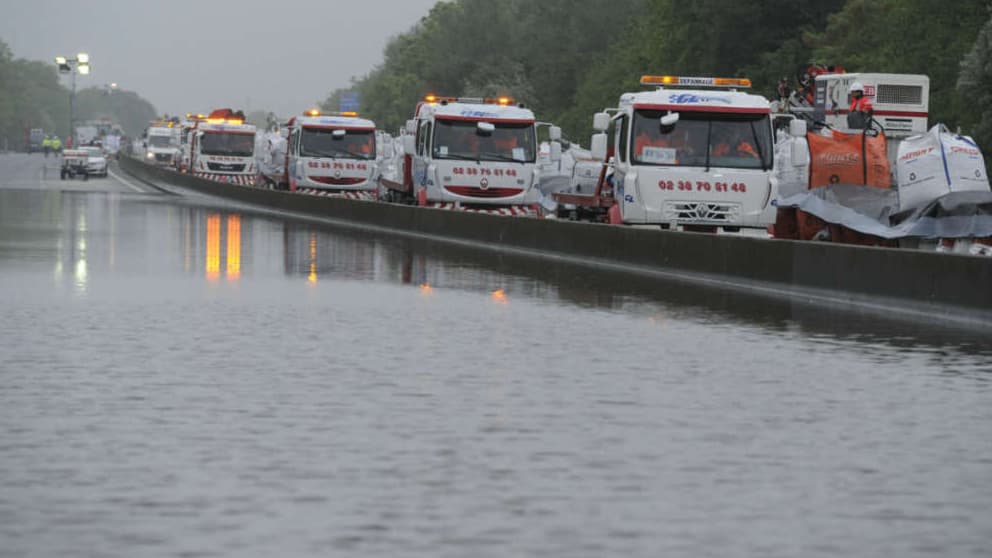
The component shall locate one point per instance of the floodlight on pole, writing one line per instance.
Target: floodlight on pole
(78, 65)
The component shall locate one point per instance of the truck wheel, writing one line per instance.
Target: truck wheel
(86, 176)
(62, 174)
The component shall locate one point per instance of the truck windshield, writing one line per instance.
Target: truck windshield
(458, 139)
(234, 145)
(159, 141)
(354, 144)
(702, 139)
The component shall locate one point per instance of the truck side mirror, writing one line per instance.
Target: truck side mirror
(555, 151)
(409, 145)
(598, 146)
(411, 126)
(485, 128)
(797, 128)
(601, 122)
(554, 134)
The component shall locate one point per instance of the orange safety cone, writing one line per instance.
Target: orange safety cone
(422, 196)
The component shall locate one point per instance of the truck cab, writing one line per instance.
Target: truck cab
(222, 148)
(470, 152)
(331, 152)
(695, 152)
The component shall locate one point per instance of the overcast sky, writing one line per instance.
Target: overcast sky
(195, 55)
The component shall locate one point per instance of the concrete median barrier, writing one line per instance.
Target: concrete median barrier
(915, 284)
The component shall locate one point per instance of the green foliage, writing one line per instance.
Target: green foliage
(907, 37)
(123, 107)
(975, 84)
(31, 96)
(567, 59)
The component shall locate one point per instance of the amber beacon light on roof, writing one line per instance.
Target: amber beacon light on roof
(735, 83)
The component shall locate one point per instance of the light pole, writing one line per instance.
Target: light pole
(78, 65)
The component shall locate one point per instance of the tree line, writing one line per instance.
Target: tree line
(32, 96)
(567, 59)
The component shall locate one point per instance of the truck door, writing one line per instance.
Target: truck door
(421, 161)
(621, 133)
(292, 154)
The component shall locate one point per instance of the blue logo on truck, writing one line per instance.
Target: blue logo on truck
(688, 98)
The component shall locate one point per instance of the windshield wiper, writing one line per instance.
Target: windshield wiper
(332, 154)
(498, 157)
(458, 157)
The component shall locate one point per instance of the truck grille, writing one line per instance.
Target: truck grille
(163, 157)
(349, 181)
(474, 192)
(225, 167)
(702, 211)
(899, 94)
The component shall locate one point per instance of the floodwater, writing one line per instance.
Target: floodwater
(184, 377)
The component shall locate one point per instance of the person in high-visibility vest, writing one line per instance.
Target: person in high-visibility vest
(46, 144)
(861, 110)
(56, 144)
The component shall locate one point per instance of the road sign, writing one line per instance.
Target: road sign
(348, 102)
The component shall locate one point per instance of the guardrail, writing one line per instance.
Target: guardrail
(908, 283)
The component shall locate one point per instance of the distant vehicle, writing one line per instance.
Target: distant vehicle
(96, 163)
(160, 144)
(74, 163)
(35, 137)
(86, 135)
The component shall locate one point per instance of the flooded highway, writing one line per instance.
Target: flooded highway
(182, 376)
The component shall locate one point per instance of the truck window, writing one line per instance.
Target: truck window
(460, 139)
(321, 142)
(422, 134)
(623, 128)
(232, 145)
(699, 139)
(159, 141)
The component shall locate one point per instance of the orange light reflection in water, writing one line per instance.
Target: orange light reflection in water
(426, 289)
(213, 247)
(233, 247)
(312, 277)
(499, 296)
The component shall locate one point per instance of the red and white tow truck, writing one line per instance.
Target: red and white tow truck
(221, 147)
(695, 153)
(330, 154)
(471, 154)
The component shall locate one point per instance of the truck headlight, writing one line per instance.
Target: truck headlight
(150, 155)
